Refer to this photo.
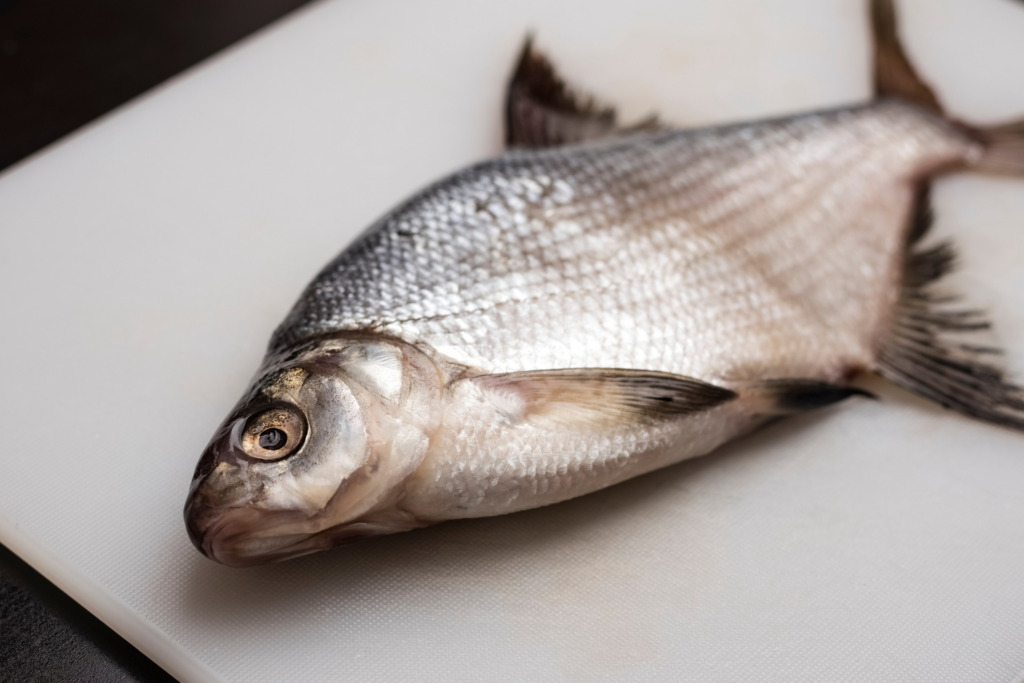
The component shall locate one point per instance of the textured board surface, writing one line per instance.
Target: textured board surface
(145, 261)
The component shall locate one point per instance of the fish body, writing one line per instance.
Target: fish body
(683, 252)
(599, 304)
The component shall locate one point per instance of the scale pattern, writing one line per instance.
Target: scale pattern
(769, 249)
(480, 464)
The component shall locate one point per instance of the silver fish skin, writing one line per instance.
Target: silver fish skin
(770, 249)
(562, 318)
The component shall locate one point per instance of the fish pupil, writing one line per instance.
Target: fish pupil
(272, 439)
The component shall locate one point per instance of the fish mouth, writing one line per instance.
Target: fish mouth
(237, 537)
(245, 536)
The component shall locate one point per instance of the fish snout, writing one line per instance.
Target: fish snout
(197, 521)
(242, 534)
(217, 508)
(232, 537)
(207, 512)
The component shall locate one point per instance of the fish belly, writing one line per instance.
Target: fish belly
(481, 464)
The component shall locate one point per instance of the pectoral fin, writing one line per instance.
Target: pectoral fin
(598, 396)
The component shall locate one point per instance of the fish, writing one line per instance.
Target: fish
(601, 301)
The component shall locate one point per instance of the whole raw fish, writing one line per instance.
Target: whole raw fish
(597, 303)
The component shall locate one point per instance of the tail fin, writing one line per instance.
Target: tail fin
(1003, 145)
(932, 349)
(895, 76)
(1004, 149)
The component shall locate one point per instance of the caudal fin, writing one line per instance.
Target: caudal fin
(1004, 149)
(933, 347)
(1002, 146)
(895, 76)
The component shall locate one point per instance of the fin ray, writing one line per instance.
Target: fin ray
(924, 353)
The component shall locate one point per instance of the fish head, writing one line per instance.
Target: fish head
(315, 453)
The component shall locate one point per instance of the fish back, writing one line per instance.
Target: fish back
(719, 253)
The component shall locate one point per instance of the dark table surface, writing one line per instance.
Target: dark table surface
(63, 63)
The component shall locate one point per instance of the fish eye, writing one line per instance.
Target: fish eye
(273, 434)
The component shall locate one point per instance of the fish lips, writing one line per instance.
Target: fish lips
(232, 537)
(244, 536)
(239, 535)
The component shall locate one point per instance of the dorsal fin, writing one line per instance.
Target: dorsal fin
(541, 110)
(895, 76)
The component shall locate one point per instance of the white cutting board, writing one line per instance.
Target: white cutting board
(145, 261)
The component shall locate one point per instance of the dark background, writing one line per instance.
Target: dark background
(62, 64)
(65, 62)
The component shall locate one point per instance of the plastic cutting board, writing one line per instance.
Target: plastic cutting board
(145, 261)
